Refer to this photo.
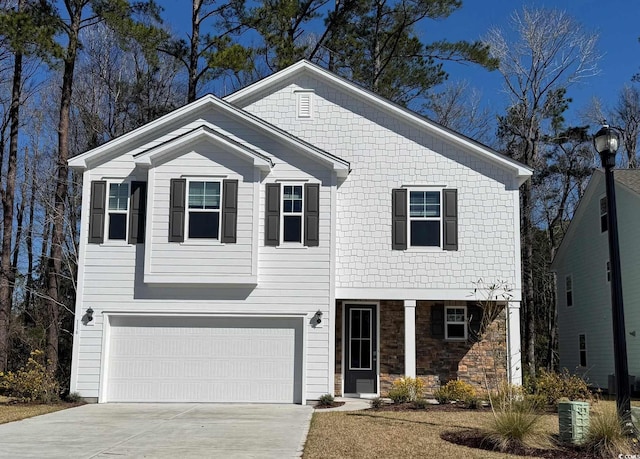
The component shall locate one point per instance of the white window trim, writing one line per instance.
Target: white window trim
(282, 215)
(446, 322)
(586, 359)
(199, 240)
(432, 248)
(569, 277)
(108, 241)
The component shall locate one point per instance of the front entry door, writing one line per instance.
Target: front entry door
(361, 344)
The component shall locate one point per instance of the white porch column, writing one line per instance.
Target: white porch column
(410, 338)
(514, 356)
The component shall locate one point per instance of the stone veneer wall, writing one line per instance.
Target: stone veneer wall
(437, 360)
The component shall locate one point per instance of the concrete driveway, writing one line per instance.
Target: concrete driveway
(160, 431)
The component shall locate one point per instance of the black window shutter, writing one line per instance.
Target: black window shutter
(97, 211)
(311, 214)
(229, 210)
(272, 215)
(450, 219)
(437, 321)
(399, 219)
(474, 317)
(137, 212)
(177, 209)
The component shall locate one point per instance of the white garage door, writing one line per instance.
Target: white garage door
(195, 359)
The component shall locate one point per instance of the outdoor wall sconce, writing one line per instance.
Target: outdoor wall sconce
(317, 318)
(88, 317)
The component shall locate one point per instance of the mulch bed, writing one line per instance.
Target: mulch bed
(333, 405)
(446, 407)
(474, 438)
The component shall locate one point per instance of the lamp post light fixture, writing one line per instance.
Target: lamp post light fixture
(606, 142)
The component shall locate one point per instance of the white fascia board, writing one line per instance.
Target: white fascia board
(420, 294)
(522, 172)
(207, 132)
(341, 166)
(80, 161)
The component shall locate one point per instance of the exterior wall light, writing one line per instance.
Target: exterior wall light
(88, 317)
(317, 318)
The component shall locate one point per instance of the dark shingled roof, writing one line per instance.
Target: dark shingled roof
(629, 178)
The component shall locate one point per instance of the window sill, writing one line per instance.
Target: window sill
(116, 244)
(202, 242)
(419, 249)
(291, 245)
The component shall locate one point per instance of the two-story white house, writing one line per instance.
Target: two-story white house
(583, 280)
(302, 236)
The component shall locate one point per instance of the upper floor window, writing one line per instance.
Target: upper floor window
(424, 217)
(604, 223)
(455, 325)
(203, 221)
(568, 282)
(117, 211)
(292, 212)
(608, 271)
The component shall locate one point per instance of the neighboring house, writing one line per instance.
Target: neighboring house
(581, 265)
(303, 236)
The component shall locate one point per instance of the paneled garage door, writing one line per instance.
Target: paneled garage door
(196, 359)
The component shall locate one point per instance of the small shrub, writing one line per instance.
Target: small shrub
(516, 426)
(376, 403)
(554, 386)
(420, 404)
(455, 390)
(31, 383)
(73, 397)
(473, 402)
(605, 437)
(406, 390)
(326, 400)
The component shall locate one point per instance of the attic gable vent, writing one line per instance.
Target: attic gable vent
(305, 104)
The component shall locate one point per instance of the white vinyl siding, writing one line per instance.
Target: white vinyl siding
(290, 280)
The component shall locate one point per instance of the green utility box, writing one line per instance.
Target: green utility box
(574, 421)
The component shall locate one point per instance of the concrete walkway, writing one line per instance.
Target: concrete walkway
(350, 404)
(160, 431)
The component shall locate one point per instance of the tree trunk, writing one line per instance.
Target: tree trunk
(57, 235)
(7, 274)
(527, 281)
(193, 52)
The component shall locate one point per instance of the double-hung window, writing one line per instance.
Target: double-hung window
(455, 322)
(292, 213)
(604, 222)
(203, 214)
(582, 342)
(568, 289)
(425, 218)
(117, 210)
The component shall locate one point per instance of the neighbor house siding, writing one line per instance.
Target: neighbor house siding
(584, 258)
(390, 153)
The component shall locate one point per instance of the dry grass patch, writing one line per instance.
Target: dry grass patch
(399, 434)
(18, 411)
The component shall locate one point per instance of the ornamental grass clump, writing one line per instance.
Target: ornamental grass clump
(606, 436)
(516, 426)
(31, 383)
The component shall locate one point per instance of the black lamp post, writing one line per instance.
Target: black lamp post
(606, 141)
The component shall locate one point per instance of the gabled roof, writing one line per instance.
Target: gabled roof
(203, 132)
(628, 178)
(150, 130)
(255, 90)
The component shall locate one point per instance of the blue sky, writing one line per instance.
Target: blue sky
(616, 21)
